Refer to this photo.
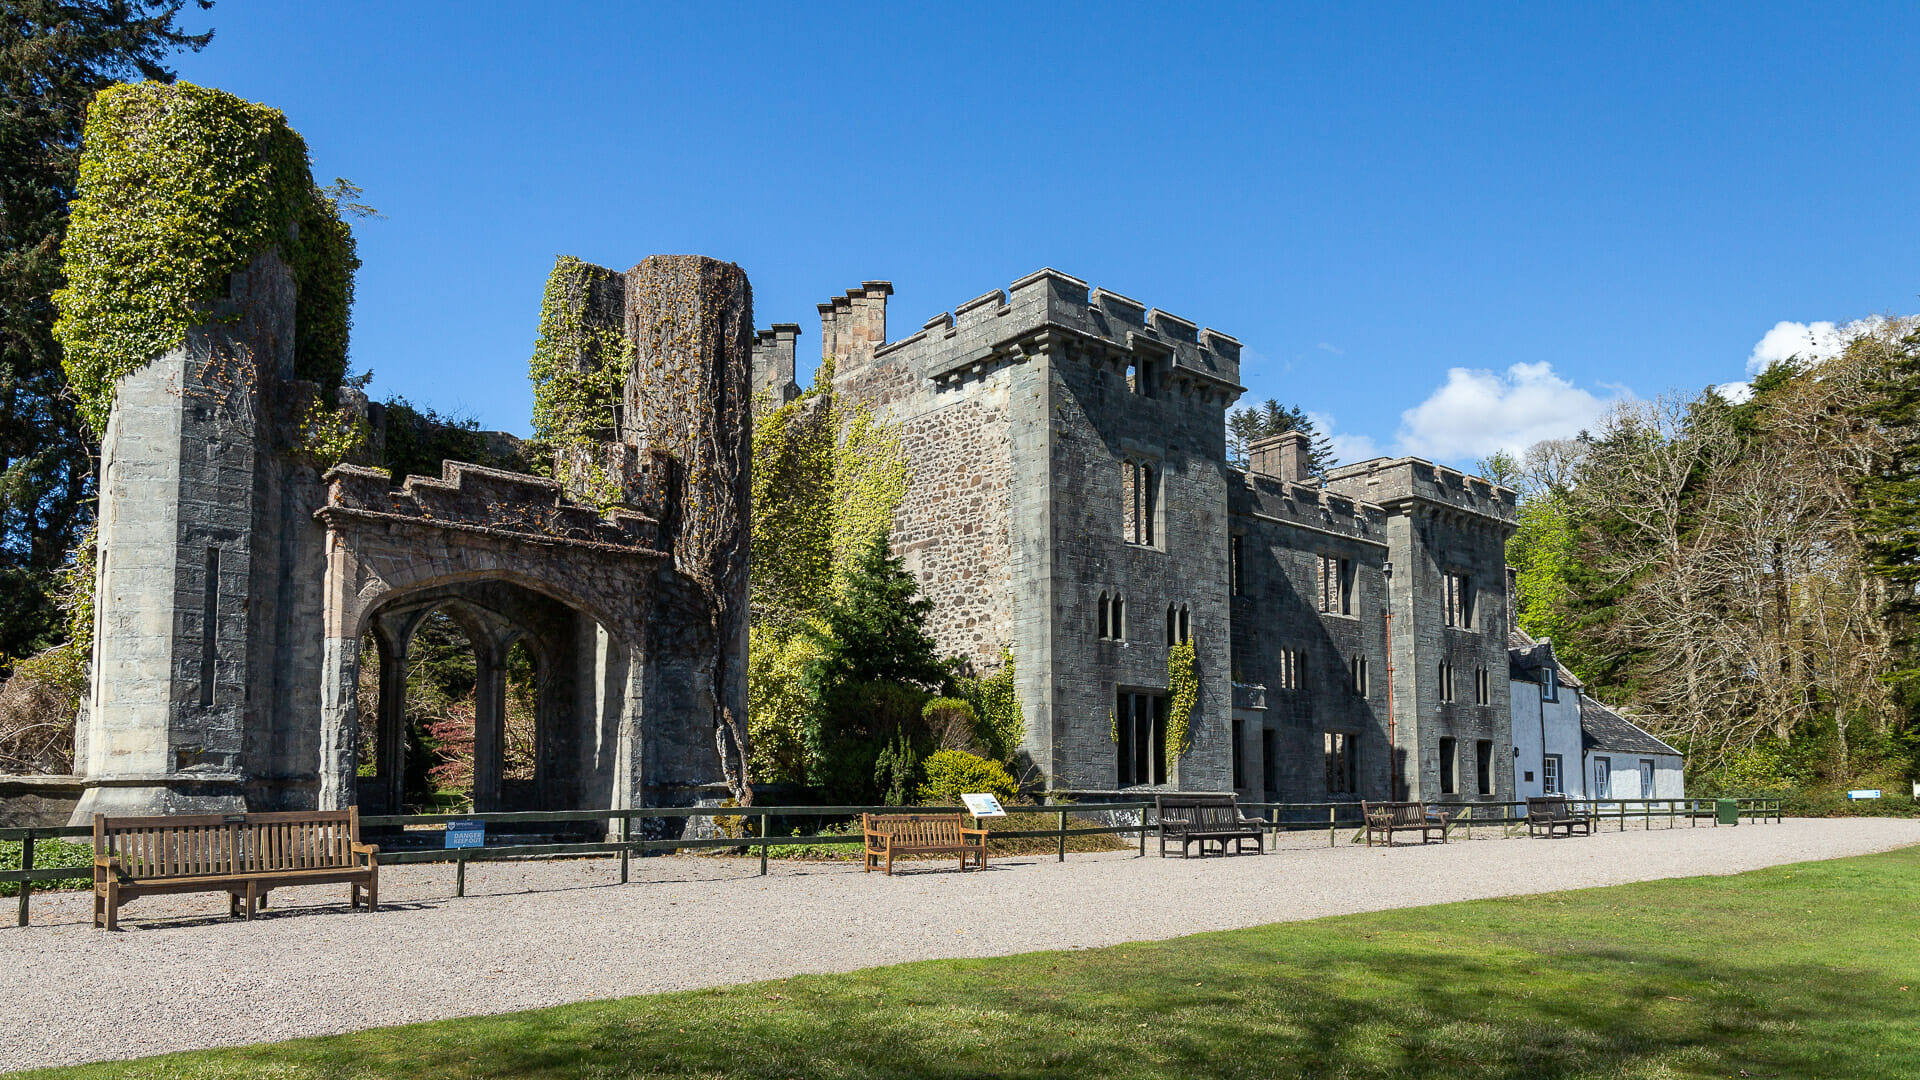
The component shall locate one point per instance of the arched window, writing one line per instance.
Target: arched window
(1119, 617)
(1185, 632)
(1173, 624)
(1106, 612)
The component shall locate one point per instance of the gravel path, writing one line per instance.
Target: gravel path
(182, 976)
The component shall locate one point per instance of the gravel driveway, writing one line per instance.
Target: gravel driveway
(182, 976)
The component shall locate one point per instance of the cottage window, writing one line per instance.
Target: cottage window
(1447, 785)
(1483, 764)
(1550, 774)
(1602, 778)
(1140, 737)
(1340, 770)
(1646, 778)
(1549, 685)
(1459, 601)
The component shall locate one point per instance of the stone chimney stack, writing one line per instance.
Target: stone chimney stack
(854, 325)
(1283, 457)
(773, 363)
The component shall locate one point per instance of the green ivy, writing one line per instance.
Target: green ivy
(997, 704)
(1183, 691)
(579, 371)
(181, 186)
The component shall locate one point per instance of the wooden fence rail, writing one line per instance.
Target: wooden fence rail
(1280, 817)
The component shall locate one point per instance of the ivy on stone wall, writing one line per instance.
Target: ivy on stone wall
(1183, 692)
(997, 705)
(579, 371)
(180, 186)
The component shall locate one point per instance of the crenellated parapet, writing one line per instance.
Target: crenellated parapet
(1181, 358)
(473, 498)
(1397, 482)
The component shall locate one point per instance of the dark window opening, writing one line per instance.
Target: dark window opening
(1340, 765)
(1357, 677)
(1239, 769)
(1447, 785)
(1482, 687)
(1140, 736)
(209, 625)
(1106, 617)
(1269, 760)
(1483, 764)
(1459, 601)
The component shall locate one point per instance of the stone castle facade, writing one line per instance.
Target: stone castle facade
(1072, 500)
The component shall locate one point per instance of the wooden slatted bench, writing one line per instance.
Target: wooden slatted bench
(1205, 819)
(1386, 818)
(921, 834)
(1544, 815)
(244, 855)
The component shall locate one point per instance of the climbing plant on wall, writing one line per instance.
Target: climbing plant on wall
(181, 186)
(1183, 692)
(579, 370)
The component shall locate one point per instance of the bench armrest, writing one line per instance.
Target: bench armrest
(973, 832)
(369, 850)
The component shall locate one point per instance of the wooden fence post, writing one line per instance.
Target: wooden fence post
(460, 874)
(26, 863)
(626, 834)
(1063, 836)
(1143, 830)
(1331, 810)
(766, 837)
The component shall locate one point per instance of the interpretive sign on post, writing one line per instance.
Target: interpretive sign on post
(983, 806)
(466, 834)
(1864, 793)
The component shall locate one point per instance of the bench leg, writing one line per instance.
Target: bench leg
(113, 905)
(233, 905)
(251, 897)
(373, 888)
(99, 907)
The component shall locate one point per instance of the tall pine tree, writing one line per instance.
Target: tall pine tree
(54, 55)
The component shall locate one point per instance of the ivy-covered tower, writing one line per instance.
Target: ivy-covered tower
(206, 308)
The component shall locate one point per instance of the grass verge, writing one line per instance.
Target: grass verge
(1810, 970)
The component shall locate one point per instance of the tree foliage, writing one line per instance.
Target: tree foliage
(1248, 425)
(54, 56)
(1741, 573)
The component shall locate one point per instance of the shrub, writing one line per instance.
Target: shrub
(950, 773)
(952, 725)
(38, 704)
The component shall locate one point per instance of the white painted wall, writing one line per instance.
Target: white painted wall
(1542, 727)
(1624, 769)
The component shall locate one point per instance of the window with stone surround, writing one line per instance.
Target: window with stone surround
(1140, 502)
(1459, 601)
(1449, 782)
(1341, 774)
(1140, 737)
(1482, 687)
(1357, 677)
(1177, 631)
(1336, 585)
(1113, 617)
(1446, 681)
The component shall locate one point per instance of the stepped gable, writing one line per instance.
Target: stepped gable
(475, 498)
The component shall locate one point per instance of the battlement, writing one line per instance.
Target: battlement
(1390, 481)
(1307, 506)
(990, 327)
(474, 498)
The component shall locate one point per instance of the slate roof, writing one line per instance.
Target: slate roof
(1526, 657)
(1601, 728)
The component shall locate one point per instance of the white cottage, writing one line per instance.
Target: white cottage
(1567, 743)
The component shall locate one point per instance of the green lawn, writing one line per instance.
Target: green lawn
(1798, 972)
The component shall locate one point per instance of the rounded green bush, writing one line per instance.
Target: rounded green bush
(950, 773)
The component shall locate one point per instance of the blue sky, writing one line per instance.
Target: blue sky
(1441, 231)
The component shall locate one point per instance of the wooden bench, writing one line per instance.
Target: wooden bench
(1544, 815)
(243, 855)
(1387, 818)
(1205, 819)
(921, 834)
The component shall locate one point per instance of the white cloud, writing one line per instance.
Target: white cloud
(1334, 349)
(1478, 412)
(1346, 448)
(1809, 342)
